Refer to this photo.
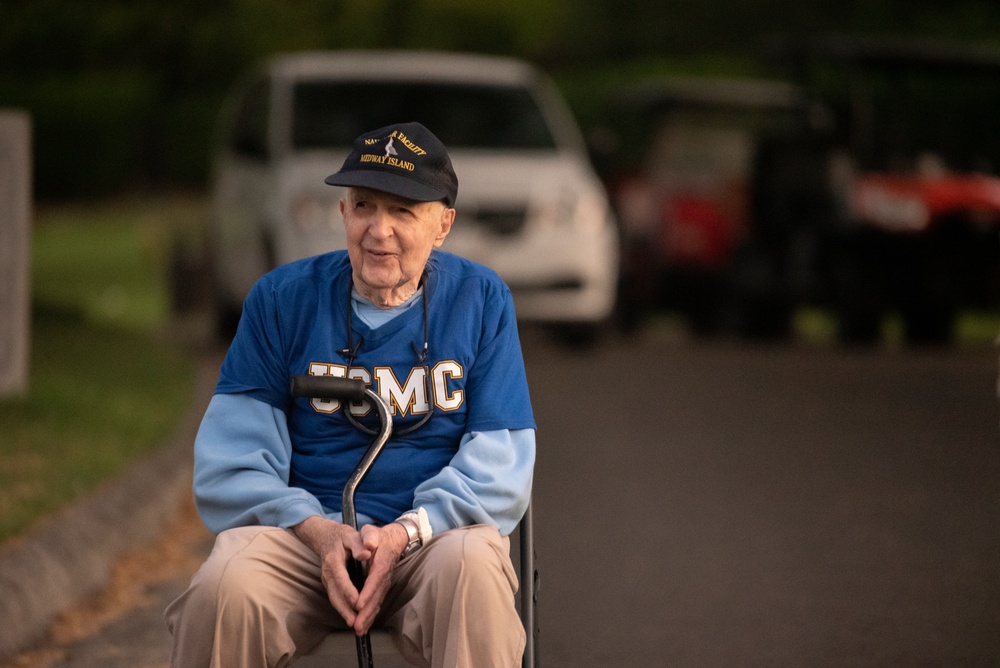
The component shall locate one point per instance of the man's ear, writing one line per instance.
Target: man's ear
(447, 219)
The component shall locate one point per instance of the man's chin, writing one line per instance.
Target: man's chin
(379, 283)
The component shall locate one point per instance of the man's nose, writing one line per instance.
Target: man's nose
(381, 224)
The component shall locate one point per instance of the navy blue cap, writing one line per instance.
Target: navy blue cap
(404, 159)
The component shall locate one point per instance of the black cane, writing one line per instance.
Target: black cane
(353, 390)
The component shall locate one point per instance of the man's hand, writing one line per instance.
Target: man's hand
(334, 543)
(385, 544)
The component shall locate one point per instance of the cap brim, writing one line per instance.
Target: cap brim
(400, 186)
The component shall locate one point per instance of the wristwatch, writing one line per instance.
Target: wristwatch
(412, 535)
(418, 529)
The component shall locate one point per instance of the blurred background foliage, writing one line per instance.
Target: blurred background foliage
(124, 94)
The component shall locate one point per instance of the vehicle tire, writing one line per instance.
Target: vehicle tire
(936, 284)
(577, 335)
(759, 299)
(858, 290)
(224, 314)
(631, 313)
(700, 296)
(704, 319)
(187, 277)
(638, 292)
(858, 327)
(859, 310)
(225, 319)
(930, 326)
(766, 319)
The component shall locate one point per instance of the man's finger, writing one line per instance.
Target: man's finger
(370, 599)
(341, 591)
(367, 543)
(363, 622)
(376, 584)
(374, 592)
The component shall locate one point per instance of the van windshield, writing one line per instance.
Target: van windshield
(331, 114)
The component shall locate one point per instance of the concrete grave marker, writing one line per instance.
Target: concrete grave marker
(15, 245)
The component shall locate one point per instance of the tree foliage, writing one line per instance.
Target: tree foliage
(124, 93)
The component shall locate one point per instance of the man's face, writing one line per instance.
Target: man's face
(389, 239)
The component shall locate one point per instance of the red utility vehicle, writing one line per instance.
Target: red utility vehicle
(868, 187)
(707, 174)
(914, 169)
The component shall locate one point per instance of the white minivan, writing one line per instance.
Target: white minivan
(529, 202)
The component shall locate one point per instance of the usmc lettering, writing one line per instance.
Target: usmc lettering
(408, 397)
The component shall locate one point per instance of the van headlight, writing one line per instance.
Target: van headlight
(591, 211)
(581, 210)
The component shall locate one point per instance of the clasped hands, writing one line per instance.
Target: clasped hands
(335, 543)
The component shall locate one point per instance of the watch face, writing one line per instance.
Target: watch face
(410, 547)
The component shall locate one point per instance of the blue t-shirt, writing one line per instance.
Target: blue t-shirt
(295, 322)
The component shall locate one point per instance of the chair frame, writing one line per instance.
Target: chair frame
(528, 571)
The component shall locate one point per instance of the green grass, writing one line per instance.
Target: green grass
(818, 327)
(108, 261)
(104, 386)
(973, 328)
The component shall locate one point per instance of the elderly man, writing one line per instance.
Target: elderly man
(433, 334)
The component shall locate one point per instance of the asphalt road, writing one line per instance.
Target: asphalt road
(716, 505)
(723, 505)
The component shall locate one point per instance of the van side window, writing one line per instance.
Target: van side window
(249, 136)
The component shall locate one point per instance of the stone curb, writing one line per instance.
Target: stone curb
(69, 557)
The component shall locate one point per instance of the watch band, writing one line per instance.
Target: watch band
(418, 529)
(412, 535)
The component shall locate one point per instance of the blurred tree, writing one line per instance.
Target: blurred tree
(124, 92)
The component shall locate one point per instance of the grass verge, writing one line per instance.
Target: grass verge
(104, 387)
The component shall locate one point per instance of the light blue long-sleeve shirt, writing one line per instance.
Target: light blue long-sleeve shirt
(243, 457)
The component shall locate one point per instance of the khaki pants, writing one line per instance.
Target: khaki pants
(258, 602)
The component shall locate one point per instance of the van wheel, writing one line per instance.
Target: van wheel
(576, 335)
(225, 319)
(187, 277)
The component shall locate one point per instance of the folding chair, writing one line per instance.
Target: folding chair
(342, 648)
